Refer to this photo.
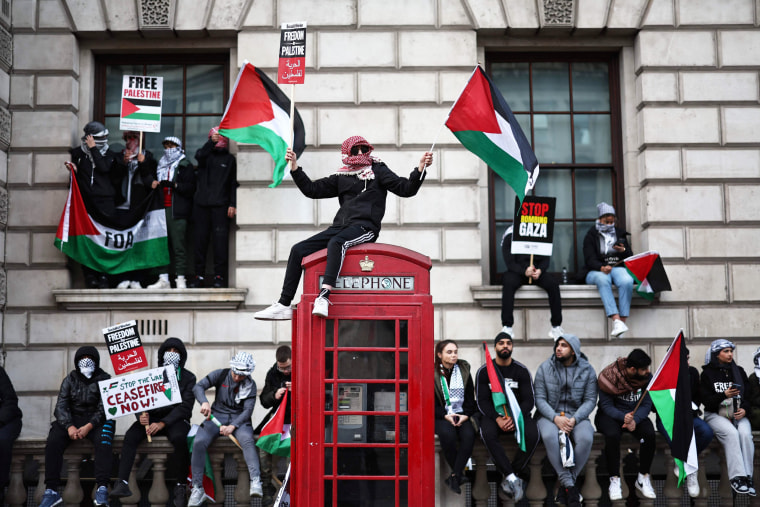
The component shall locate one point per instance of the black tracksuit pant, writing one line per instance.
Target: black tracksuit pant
(58, 440)
(177, 435)
(211, 221)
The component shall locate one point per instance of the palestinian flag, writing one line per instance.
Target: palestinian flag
(647, 269)
(136, 240)
(483, 122)
(670, 390)
(259, 113)
(209, 489)
(140, 109)
(504, 400)
(275, 436)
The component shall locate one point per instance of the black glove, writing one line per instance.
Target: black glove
(166, 184)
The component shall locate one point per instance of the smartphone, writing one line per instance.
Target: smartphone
(735, 386)
(456, 419)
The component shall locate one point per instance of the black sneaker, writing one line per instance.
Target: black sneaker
(453, 483)
(195, 282)
(218, 282)
(120, 488)
(561, 497)
(750, 487)
(180, 495)
(574, 497)
(738, 484)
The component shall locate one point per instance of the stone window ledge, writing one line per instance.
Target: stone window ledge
(158, 299)
(489, 296)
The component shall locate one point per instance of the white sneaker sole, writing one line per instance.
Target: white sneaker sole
(278, 316)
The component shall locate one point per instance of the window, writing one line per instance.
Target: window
(195, 94)
(568, 107)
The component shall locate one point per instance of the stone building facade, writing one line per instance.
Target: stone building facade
(689, 147)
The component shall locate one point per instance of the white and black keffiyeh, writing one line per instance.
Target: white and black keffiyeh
(456, 391)
(86, 367)
(172, 157)
(172, 358)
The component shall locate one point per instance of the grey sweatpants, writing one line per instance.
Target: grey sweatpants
(208, 432)
(582, 437)
(736, 441)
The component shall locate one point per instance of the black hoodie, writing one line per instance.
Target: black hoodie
(79, 398)
(9, 410)
(717, 377)
(182, 412)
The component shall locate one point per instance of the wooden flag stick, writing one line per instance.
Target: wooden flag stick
(530, 278)
(216, 421)
(292, 113)
(139, 149)
(150, 440)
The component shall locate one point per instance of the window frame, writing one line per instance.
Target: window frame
(612, 59)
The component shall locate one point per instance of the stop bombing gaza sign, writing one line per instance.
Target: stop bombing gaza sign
(533, 228)
(135, 393)
(141, 98)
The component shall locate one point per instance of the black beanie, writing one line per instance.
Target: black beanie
(638, 359)
(501, 336)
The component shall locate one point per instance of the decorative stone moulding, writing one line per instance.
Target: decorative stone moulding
(557, 13)
(5, 129)
(156, 14)
(6, 49)
(5, 12)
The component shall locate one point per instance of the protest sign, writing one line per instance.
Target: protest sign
(533, 229)
(139, 392)
(141, 98)
(292, 63)
(125, 348)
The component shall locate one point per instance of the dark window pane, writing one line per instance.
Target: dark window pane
(591, 87)
(563, 254)
(500, 228)
(552, 143)
(367, 333)
(403, 334)
(170, 126)
(366, 494)
(403, 461)
(403, 494)
(366, 461)
(329, 332)
(592, 138)
(114, 80)
(204, 93)
(328, 492)
(557, 183)
(196, 133)
(403, 360)
(581, 228)
(505, 199)
(172, 74)
(328, 460)
(370, 365)
(551, 86)
(513, 81)
(592, 186)
(329, 364)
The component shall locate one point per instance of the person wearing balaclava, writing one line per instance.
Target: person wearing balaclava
(234, 400)
(723, 386)
(361, 184)
(79, 414)
(172, 421)
(214, 206)
(604, 248)
(753, 392)
(95, 165)
(176, 177)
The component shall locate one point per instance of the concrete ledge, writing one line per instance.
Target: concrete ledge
(168, 299)
(489, 296)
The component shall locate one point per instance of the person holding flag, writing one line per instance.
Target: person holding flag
(722, 385)
(454, 407)
(234, 400)
(566, 394)
(624, 405)
(504, 393)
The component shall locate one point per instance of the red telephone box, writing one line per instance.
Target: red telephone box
(363, 393)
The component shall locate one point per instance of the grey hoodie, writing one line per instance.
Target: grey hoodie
(552, 375)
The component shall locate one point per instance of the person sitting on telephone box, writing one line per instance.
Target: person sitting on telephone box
(230, 415)
(361, 185)
(604, 248)
(520, 270)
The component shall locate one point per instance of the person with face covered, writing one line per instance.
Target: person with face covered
(361, 185)
(95, 165)
(215, 204)
(723, 385)
(173, 421)
(515, 376)
(79, 414)
(753, 392)
(176, 177)
(604, 248)
(234, 400)
(621, 385)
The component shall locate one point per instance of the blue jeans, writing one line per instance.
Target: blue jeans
(622, 280)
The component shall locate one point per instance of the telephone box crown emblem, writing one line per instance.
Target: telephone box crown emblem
(367, 264)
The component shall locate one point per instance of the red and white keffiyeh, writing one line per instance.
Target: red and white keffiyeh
(359, 165)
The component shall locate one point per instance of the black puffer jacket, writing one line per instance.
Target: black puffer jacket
(8, 400)
(79, 397)
(183, 411)
(594, 257)
(217, 177)
(275, 379)
(362, 202)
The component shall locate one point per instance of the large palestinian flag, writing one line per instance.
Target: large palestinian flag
(136, 240)
(649, 273)
(258, 112)
(485, 125)
(670, 390)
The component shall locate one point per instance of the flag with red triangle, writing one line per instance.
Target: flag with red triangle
(275, 435)
(258, 112)
(649, 273)
(504, 400)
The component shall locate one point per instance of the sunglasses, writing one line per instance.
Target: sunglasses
(356, 149)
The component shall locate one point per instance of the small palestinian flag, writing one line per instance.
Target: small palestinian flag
(649, 273)
(504, 400)
(275, 436)
(140, 109)
(258, 112)
(209, 489)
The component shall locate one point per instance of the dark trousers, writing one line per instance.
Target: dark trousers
(337, 240)
(9, 432)
(449, 436)
(177, 435)
(703, 433)
(613, 430)
(490, 432)
(176, 229)
(513, 281)
(57, 442)
(213, 222)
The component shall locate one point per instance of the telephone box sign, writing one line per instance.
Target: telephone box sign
(125, 348)
(374, 283)
(139, 392)
(292, 62)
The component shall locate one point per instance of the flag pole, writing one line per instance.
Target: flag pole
(292, 113)
(530, 278)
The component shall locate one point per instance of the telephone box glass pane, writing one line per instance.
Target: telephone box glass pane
(403, 461)
(403, 334)
(403, 361)
(403, 422)
(382, 398)
(355, 364)
(403, 494)
(328, 429)
(329, 333)
(328, 492)
(366, 333)
(329, 365)
(366, 493)
(328, 460)
(366, 461)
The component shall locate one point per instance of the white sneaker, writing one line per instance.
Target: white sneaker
(692, 484)
(275, 312)
(508, 330)
(161, 283)
(135, 285)
(618, 328)
(556, 332)
(196, 497)
(256, 489)
(180, 282)
(123, 285)
(321, 307)
(644, 485)
(615, 492)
